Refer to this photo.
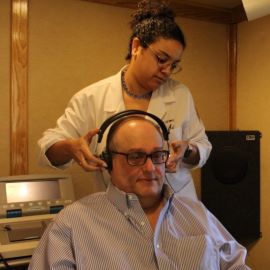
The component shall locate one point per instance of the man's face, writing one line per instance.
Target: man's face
(146, 180)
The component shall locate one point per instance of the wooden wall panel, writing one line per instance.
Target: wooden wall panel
(190, 10)
(232, 66)
(5, 11)
(19, 68)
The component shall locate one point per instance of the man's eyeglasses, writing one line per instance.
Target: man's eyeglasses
(163, 62)
(139, 158)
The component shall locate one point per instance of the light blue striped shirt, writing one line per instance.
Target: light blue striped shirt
(109, 230)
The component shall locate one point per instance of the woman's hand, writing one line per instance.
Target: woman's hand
(82, 154)
(177, 152)
(178, 149)
(77, 149)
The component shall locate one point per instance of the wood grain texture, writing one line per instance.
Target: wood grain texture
(19, 104)
(238, 15)
(232, 64)
(19, 65)
(229, 16)
(191, 10)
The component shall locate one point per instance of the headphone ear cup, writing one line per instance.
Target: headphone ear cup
(107, 157)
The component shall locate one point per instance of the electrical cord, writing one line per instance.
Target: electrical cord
(4, 262)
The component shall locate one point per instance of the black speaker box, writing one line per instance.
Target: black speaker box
(230, 181)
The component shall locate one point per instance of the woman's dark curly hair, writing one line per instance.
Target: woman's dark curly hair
(151, 21)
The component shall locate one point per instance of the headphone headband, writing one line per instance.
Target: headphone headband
(106, 155)
(122, 114)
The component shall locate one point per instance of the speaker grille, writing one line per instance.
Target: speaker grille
(230, 181)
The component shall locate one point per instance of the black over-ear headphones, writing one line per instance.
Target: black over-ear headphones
(106, 155)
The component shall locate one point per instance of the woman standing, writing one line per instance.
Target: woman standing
(155, 49)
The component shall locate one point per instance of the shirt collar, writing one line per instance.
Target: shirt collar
(124, 201)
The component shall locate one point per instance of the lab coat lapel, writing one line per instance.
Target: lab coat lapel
(159, 101)
(114, 102)
(158, 105)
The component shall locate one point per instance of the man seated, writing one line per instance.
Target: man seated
(139, 222)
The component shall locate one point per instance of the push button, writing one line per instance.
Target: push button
(56, 209)
(14, 213)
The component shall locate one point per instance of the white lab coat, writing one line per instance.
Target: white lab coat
(172, 102)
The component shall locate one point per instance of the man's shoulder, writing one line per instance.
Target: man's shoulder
(88, 203)
(90, 199)
(192, 205)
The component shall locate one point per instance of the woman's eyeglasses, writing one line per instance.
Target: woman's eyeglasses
(164, 62)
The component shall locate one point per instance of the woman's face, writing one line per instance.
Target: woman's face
(153, 65)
